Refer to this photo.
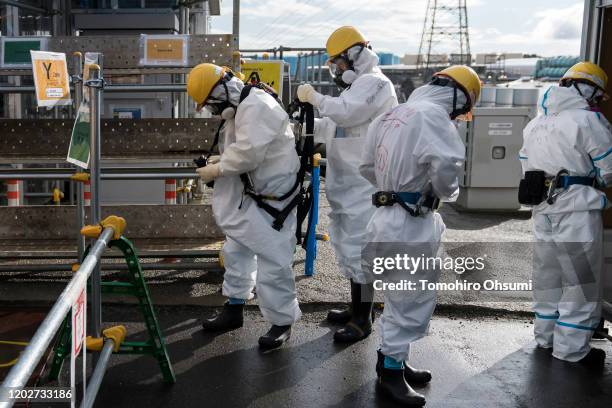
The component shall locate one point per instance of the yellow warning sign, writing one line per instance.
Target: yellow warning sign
(268, 72)
(50, 78)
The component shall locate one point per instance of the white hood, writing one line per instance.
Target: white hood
(365, 62)
(234, 86)
(438, 95)
(557, 99)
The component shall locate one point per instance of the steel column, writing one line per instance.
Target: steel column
(96, 377)
(77, 80)
(236, 34)
(94, 166)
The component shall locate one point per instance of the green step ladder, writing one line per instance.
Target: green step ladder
(137, 287)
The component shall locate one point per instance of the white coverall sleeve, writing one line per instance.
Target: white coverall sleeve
(368, 155)
(598, 144)
(257, 125)
(441, 149)
(356, 105)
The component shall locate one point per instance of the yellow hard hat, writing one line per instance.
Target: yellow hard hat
(588, 72)
(342, 39)
(202, 79)
(466, 78)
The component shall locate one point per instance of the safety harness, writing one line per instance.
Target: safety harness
(279, 215)
(405, 199)
(305, 150)
(536, 186)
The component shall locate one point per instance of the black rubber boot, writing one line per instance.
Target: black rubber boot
(275, 337)
(595, 359)
(231, 317)
(393, 383)
(412, 375)
(340, 316)
(600, 329)
(416, 376)
(360, 325)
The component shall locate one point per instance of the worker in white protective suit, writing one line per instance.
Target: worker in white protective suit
(568, 147)
(257, 158)
(413, 156)
(367, 93)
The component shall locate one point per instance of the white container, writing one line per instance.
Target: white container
(487, 96)
(525, 97)
(504, 96)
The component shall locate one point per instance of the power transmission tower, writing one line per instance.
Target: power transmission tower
(445, 31)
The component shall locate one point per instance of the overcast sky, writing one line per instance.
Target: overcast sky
(545, 27)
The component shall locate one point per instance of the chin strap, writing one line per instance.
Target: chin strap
(573, 83)
(443, 81)
(458, 111)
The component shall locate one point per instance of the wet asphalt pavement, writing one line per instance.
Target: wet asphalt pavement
(480, 350)
(476, 360)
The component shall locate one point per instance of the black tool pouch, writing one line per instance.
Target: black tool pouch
(533, 188)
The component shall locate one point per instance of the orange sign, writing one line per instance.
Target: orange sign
(51, 78)
(164, 50)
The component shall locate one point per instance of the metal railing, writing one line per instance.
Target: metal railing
(29, 359)
(107, 88)
(110, 173)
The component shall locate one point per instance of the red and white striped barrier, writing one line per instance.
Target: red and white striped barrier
(170, 191)
(12, 193)
(87, 193)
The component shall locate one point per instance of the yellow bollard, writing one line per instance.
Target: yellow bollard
(115, 333)
(57, 196)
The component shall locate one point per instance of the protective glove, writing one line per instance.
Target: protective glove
(306, 93)
(210, 172)
(214, 159)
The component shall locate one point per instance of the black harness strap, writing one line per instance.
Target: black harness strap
(305, 151)
(279, 215)
(216, 139)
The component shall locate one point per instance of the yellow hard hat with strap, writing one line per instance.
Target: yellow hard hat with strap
(342, 39)
(587, 72)
(466, 78)
(202, 79)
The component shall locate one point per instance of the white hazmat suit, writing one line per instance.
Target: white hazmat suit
(343, 130)
(568, 249)
(413, 148)
(257, 141)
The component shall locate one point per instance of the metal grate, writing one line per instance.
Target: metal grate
(120, 137)
(123, 51)
(143, 221)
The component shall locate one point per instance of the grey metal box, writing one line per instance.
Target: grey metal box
(492, 171)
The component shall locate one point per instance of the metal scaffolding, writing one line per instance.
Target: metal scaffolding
(174, 137)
